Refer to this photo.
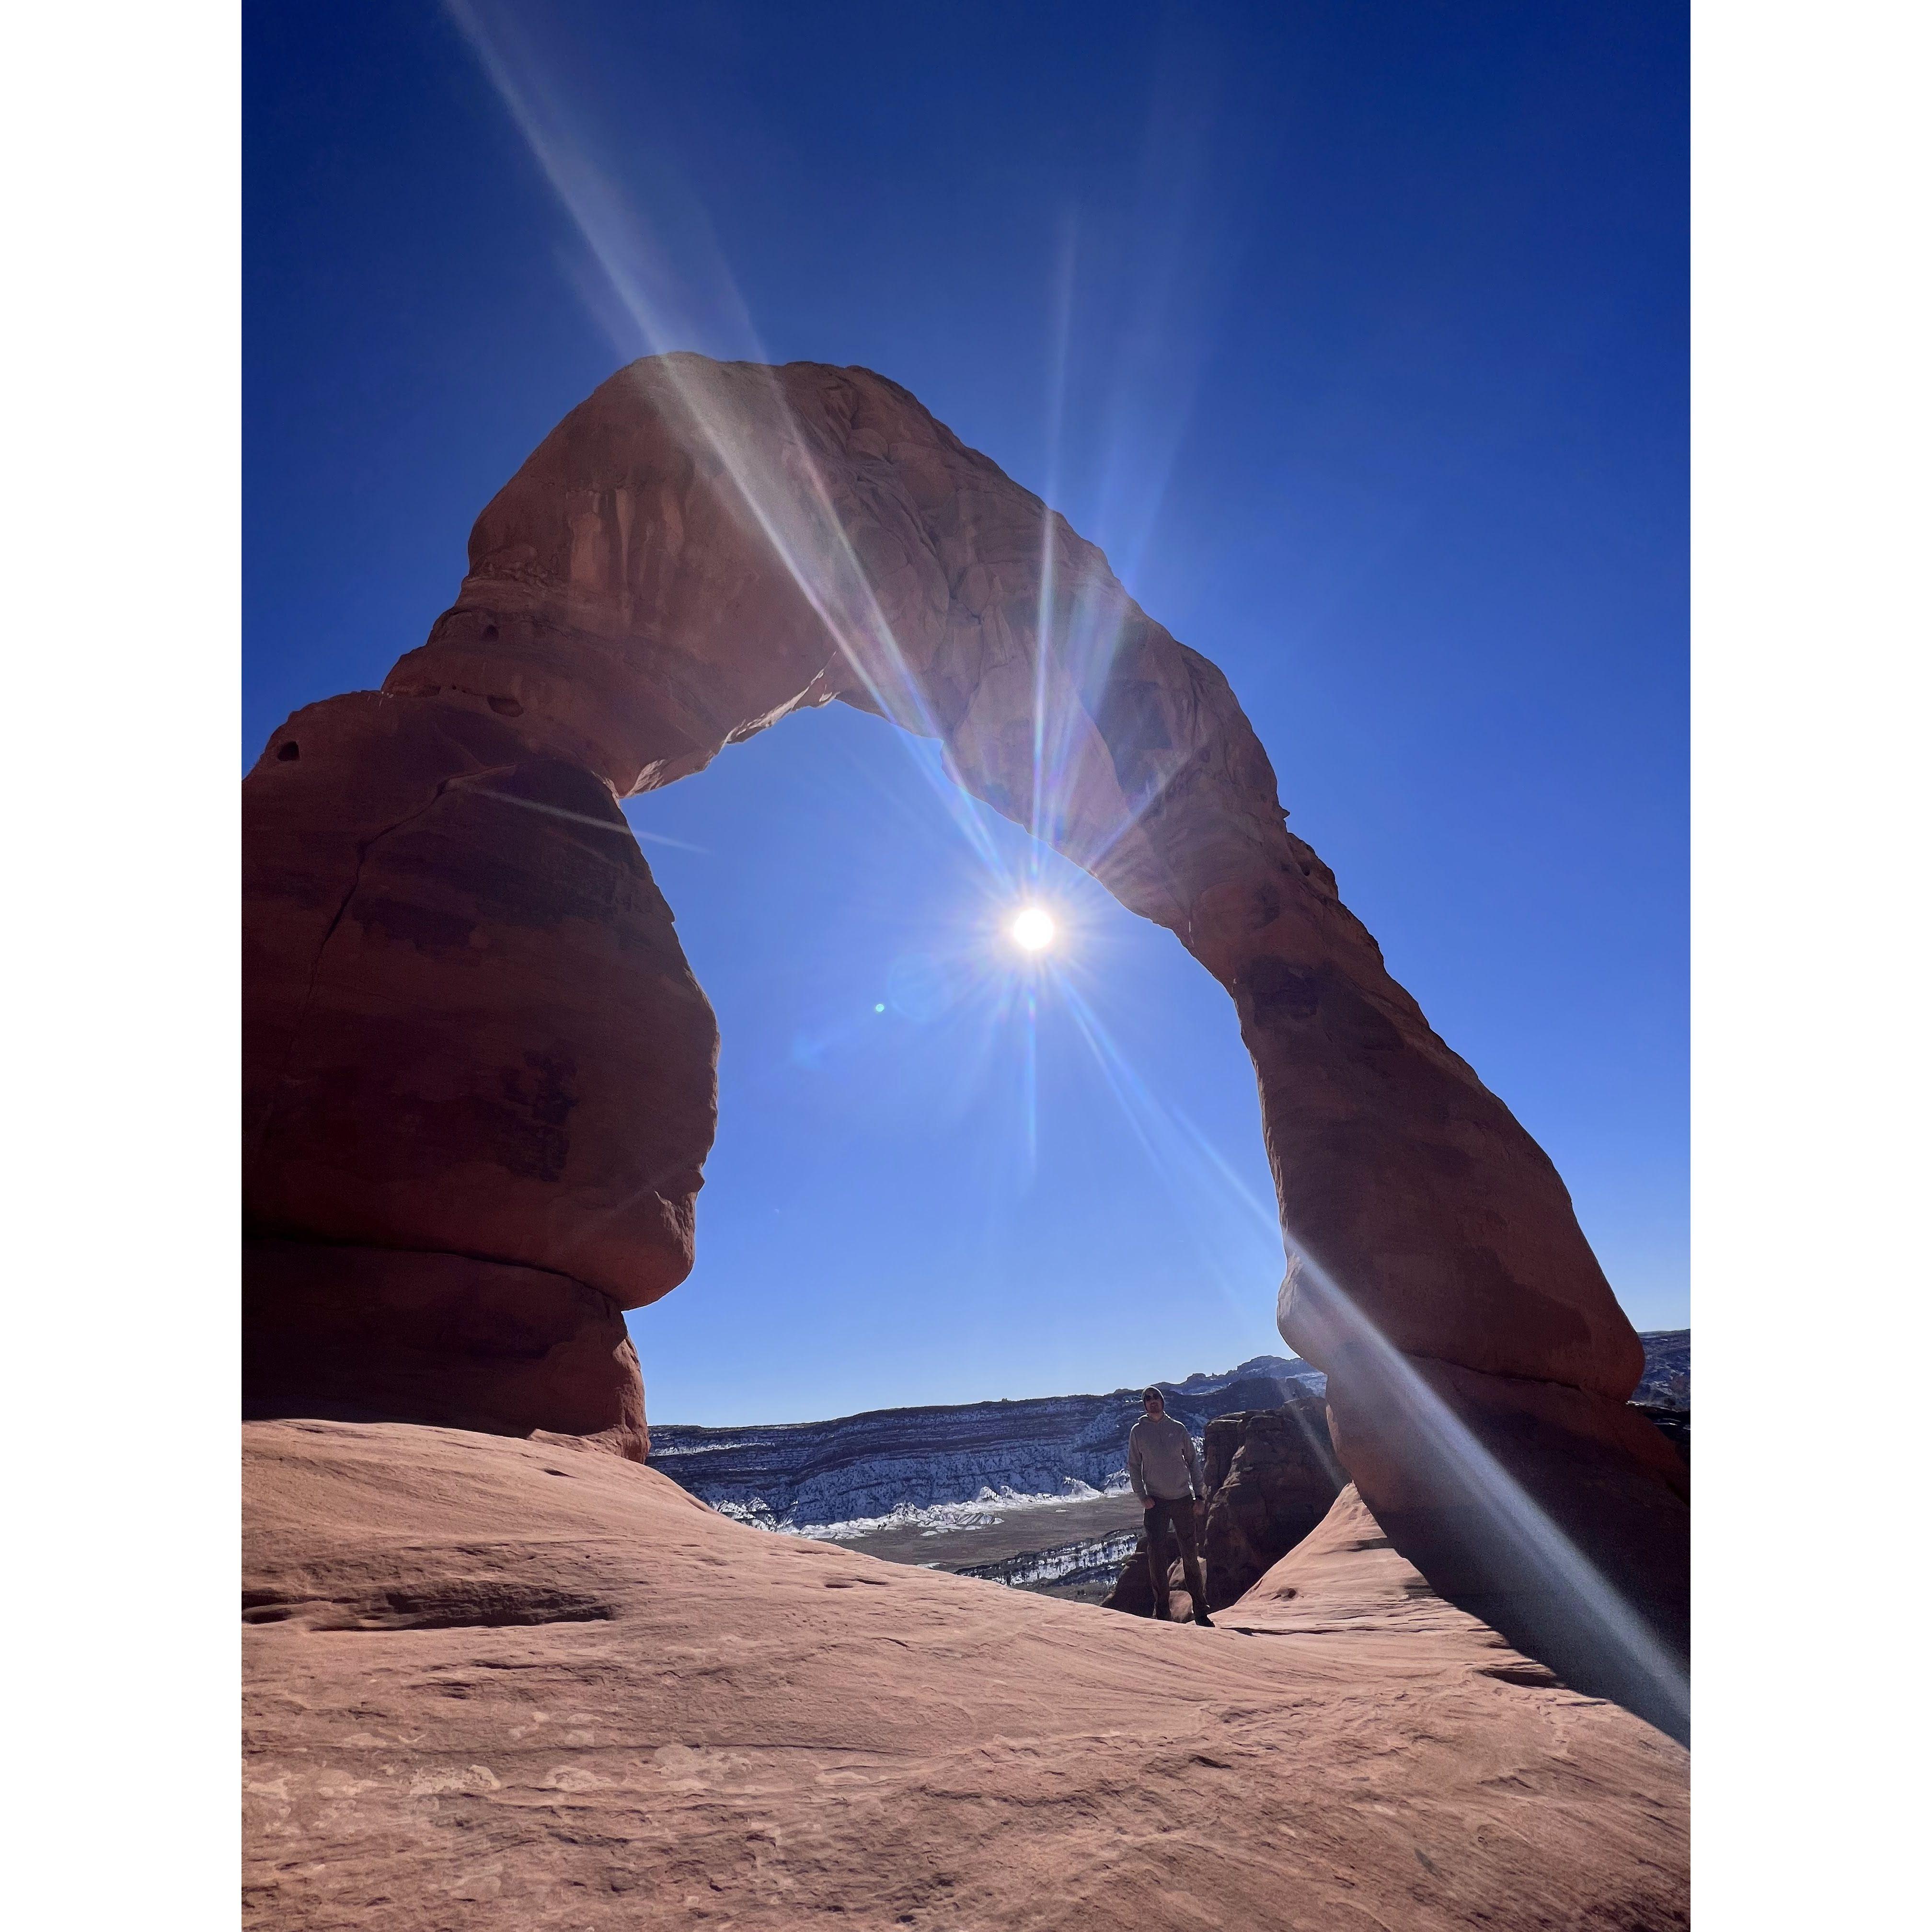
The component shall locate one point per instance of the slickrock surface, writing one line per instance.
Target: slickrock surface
(1672, 1423)
(497, 1683)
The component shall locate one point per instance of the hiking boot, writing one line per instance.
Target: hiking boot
(1204, 1620)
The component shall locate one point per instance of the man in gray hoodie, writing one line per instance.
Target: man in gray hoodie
(1165, 1469)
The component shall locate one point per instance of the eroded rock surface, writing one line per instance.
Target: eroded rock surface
(492, 1681)
(367, 1333)
(1671, 1422)
(479, 1078)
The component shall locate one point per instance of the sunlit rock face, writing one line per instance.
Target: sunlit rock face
(695, 550)
(470, 1025)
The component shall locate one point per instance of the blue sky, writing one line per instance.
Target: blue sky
(1356, 336)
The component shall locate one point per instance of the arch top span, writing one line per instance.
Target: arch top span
(699, 548)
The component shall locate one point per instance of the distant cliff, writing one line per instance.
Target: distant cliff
(813, 1474)
(821, 1475)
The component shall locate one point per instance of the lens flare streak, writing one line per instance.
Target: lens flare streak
(800, 524)
(1512, 1516)
(1168, 1140)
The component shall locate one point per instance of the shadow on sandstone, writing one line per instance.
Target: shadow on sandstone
(354, 1334)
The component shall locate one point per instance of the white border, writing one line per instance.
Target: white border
(121, 146)
(1809, 1064)
(121, 151)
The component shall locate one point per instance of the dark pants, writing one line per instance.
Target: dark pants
(1179, 1517)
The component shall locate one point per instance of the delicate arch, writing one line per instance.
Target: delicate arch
(455, 946)
(699, 548)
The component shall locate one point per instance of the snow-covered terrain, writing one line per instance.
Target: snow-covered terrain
(941, 1470)
(1095, 1559)
(945, 1468)
(989, 1506)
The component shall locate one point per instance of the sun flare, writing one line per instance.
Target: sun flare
(1032, 928)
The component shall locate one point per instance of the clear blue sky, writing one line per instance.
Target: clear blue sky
(1357, 336)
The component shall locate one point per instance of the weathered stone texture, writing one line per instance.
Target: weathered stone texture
(470, 1026)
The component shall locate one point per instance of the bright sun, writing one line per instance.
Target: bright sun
(1032, 928)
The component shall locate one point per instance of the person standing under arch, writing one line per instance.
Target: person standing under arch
(1164, 1467)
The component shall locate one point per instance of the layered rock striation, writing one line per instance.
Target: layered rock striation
(479, 1078)
(1665, 1383)
(470, 1028)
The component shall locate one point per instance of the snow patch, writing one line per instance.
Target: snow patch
(989, 1506)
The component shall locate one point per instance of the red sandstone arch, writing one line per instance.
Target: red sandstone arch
(472, 1039)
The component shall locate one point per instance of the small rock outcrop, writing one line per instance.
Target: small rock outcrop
(1272, 1476)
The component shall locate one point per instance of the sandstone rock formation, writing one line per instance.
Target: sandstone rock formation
(1272, 1477)
(699, 548)
(362, 1333)
(471, 1032)
(479, 1077)
(1558, 1518)
(494, 1682)
(471, 1028)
